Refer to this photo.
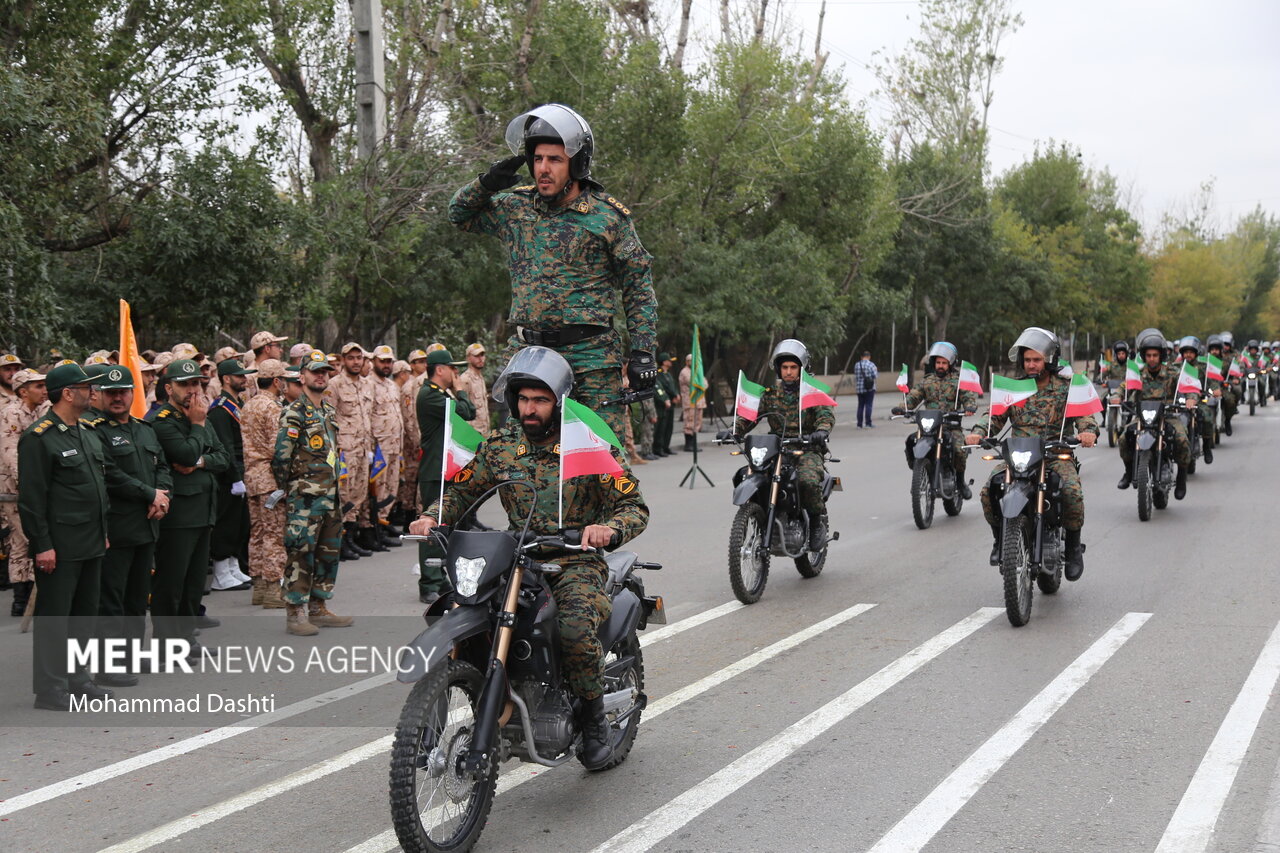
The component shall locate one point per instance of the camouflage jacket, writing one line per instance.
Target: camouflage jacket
(260, 424)
(1161, 384)
(385, 416)
(1041, 415)
(1115, 371)
(349, 397)
(306, 456)
(568, 264)
(15, 417)
(940, 393)
(508, 456)
(781, 402)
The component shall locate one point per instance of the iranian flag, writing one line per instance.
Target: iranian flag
(1104, 364)
(1235, 370)
(970, 380)
(748, 398)
(1007, 392)
(814, 393)
(1133, 376)
(1189, 380)
(1082, 398)
(1065, 370)
(460, 441)
(1213, 367)
(585, 442)
(903, 382)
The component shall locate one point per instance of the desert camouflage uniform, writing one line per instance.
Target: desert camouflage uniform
(1162, 385)
(412, 438)
(939, 392)
(809, 466)
(305, 465)
(579, 588)
(1041, 415)
(352, 405)
(690, 413)
(388, 433)
(568, 267)
(472, 381)
(260, 423)
(15, 417)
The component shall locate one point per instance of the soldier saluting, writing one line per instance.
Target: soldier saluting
(572, 247)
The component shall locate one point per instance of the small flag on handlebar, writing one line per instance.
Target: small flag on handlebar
(1133, 376)
(747, 404)
(903, 383)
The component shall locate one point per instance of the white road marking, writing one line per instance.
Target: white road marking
(129, 765)
(1191, 828)
(664, 821)
(923, 822)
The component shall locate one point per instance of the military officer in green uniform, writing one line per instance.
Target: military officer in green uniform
(196, 458)
(305, 465)
(573, 251)
(63, 507)
(608, 510)
(429, 407)
(666, 394)
(139, 499)
(940, 389)
(1036, 353)
(782, 401)
(1159, 382)
(229, 542)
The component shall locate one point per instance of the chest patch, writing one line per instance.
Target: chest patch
(316, 442)
(292, 432)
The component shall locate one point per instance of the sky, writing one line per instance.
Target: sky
(1165, 95)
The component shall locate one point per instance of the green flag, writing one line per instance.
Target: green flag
(697, 377)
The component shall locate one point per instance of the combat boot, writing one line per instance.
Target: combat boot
(259, 590)
(1126, 480)
(688, 443)
(1208, 450)
(296, 622)
(1180, 485)
(597, 748)
(369, 540)
(319, 614)
(1073, 556)
(353, 542)
(21, 595)
(386, 538)
(995, 547)
(817, 533)
(271, 595)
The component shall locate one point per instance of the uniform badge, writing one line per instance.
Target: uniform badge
(71, 452)
(292, 432)
(625, 485)
(62, 427)
(556, 449)
(463, 475)
(521, 449)
(316, 442)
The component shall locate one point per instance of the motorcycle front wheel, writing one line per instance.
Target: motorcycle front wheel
(1160, 492)
(1113, 427)
(955, 503)
(1142, 482)
(433, 807)
(921, 496)
(810, 563)
(1015, 567)
(624, 670)
(748, 559)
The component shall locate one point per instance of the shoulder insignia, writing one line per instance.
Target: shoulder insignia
(316, 441)
(522, 449)
(43, 425)
(556, 449)
(625, 485)
(163, 413)
(626, 211)
(464, 474)
(292, 432)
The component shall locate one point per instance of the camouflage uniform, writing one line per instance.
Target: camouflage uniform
(690, 413)
(1230, 387)
(388, 433)
(412, 454)
(648, 417)
(809, 467)
(1204, 414)
(305, 465)
(1115, 371)
(1161, 385)
(472, 381)
(1042, 415)
(568, 266)
(15, 417)
(260, 422)
(579, 589)
(352, 406)
(937, 392)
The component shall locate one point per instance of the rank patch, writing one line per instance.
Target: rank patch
(316, 442)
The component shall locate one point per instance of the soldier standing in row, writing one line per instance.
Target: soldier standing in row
(16, 415)
(409, 504)
(472, 382)
(10, 364)
(690, 413)
(666, 397)
(305, 465)
(388, 434)
(229, 543)
(260, 426)
(352, 404)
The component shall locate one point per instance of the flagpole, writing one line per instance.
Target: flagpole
(444, 456)
(560, 479)
(991, 414)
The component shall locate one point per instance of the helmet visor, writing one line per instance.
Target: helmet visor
(536, 364)
(548, 120)
(1036, 339)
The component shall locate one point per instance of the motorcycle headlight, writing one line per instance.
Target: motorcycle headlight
(757, 456)
(1148, 416)
(926, 424)
(467, 572)
(1021, 460)
(1253, 376)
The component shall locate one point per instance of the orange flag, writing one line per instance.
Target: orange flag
(130, 358)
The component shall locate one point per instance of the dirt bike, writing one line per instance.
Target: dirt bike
(930, 457)
(1153, 469)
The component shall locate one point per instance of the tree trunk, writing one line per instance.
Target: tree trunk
(526, 45)
(677, 59)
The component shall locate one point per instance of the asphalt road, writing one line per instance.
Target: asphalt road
(887, 705)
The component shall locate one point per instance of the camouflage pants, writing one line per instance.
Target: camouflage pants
(313, 533)
(809, 471)
(266, 539)
(691, 417)
(647, 412)
(21, 566)
(1230, 402)
(388, 482)
(354, 488)
(1072, 494)
(1181, 445)
(582, 608)
(408, 492)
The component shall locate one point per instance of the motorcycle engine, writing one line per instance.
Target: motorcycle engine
(796, 534)
(553, 724)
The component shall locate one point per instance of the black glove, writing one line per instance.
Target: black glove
(897, 410)
(502, 174)
(726, 435)
(818, 436)
(642, 370)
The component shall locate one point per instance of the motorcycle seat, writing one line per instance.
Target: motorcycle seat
(619, 562)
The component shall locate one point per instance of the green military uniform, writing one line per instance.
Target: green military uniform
(666, 389)
(132, 446)
(809, 467)
(579, 588)
(940, 392)
(569, 265)
(230, 536)
(182, 552)
(1041, 415)
(63, 506)
(305, 466)
(1161, 384)
(430, 409)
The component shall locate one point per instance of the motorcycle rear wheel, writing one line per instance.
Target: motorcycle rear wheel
(748, 560)
(632, 678)
(1015, 567)
(1142, 482)
(921, 498)
(810, 563)
(435, 728)
(1113, 427)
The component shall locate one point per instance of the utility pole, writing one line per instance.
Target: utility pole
(371, 89)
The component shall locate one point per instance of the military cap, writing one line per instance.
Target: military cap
(292, 373)
(433, 347)
(187, 351)
(150, 368)
(225, 353)
(401, 366)
(665, 356)
(316, 365)
(95, 372)
(9, 358)
(384, 351)
(181, 369)
(99, 357)
(300, 350)
(164, 359)
(352, 345)
(261, 339)
(22, 377)
(114, 377)
(417, 354)
(231, 367)
(475, 349)
(65, 375)
(270, 368)
(442, 356)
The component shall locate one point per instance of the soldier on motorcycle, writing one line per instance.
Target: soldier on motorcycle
(1230, 384)
(939, 390)
(1119, 362)
(1189, 348)
(1159, 382)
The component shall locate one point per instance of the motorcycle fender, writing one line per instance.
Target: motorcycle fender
(743, 492)
(924, 447)
(1146, 440)
(1016, 497)
(623, 619)
(433, 645)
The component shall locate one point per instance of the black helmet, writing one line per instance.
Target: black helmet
(1119, 346)
(554, 123)
(1150, 339)
(790, 350)
(1214, 340)
(1042, 341)
(1253, 344)
(943, 349)
(538, 366)
(1190, 342)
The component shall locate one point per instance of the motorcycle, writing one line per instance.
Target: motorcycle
(1253, 377)
(932, 465)
(1032, 541)
(1153, 470)
(1191, 420)
(1117, 419)
(770, 521)
(487, 679)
